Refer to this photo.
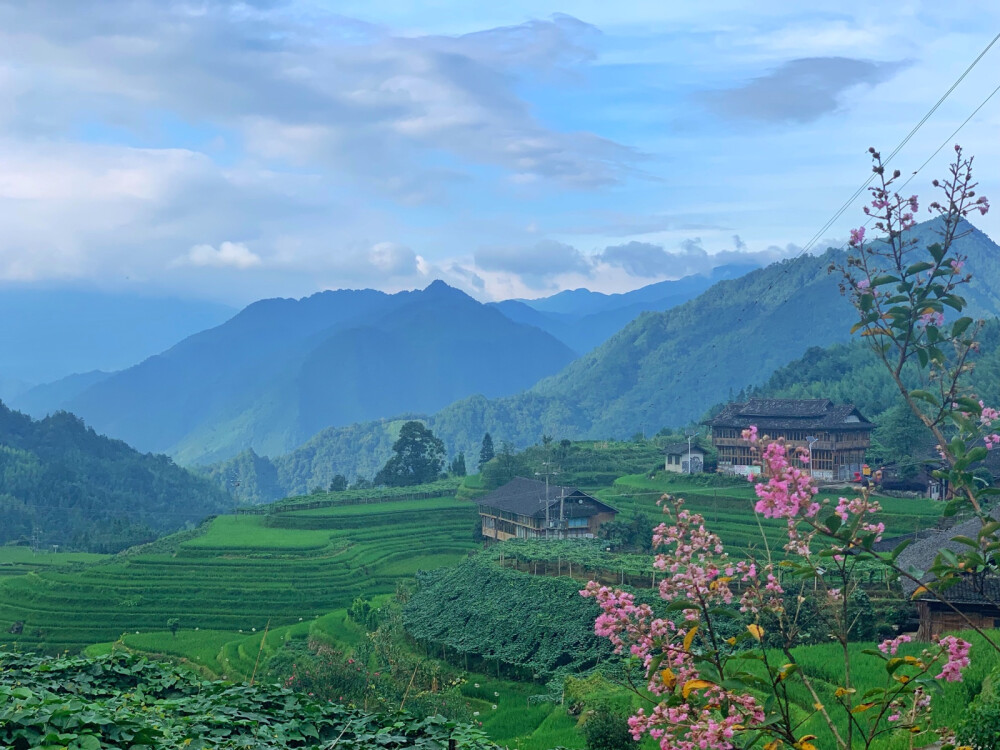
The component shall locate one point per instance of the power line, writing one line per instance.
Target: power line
(815, 238)
(847, 204)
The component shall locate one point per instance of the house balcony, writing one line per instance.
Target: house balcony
(819, 445)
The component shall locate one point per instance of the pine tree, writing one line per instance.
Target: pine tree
(486, 452)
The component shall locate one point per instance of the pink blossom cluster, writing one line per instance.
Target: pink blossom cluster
(988, 415)
(957, 266)
(788, 492)
(992, 441)
(621, 621)
(699, 725)
(956, 652)
(931, 318)
(861, 509)
(857, 237)
(920, 704)
(891, 645)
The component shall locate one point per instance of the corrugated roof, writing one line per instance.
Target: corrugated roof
(681, 449)
(526, 497)
(790, 414)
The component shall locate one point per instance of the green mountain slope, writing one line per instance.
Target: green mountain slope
(62, 483)
(663, 368)
(282, 370)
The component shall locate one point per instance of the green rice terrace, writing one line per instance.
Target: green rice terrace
(243, 587)
(235, 573)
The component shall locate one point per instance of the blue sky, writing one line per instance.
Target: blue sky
(240, 150)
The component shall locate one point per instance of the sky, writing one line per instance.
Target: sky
(238, 150)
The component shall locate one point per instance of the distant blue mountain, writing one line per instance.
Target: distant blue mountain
(283, 369)
(583, 320)
(47, 334)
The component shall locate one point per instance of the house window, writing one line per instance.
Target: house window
(577, 522)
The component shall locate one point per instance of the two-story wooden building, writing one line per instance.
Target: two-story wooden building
(525, 509)
(837, 435)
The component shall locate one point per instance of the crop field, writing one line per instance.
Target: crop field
(240, 574)
(728, 511)
(15, 561)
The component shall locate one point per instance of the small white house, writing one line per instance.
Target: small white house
(679, 460)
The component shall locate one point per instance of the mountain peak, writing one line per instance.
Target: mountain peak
(438, 289)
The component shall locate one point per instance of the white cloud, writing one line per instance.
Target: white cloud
(227, 255)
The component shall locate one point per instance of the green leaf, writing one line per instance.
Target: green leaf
(918, 268)
(959, 326)
(925, 396)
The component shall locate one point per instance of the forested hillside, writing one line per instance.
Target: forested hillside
(62, 483)
(282, 370)
(663, 369)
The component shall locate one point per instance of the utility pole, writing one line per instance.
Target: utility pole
(547, 473)
(562, 499)
(690, 434)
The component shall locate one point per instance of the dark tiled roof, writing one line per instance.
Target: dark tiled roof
(681, 449)
(920, 555)
(790, 414)
(526, 497)
(978, 589)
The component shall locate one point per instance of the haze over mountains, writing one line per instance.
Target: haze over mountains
(281, 370)
(321, 385)
(583, 319)
(51, 333)
(663, 368)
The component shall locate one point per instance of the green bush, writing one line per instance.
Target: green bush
(608, 730)
(980, 727)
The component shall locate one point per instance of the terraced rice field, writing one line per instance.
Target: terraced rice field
(16, 561)
(243, 572)
(728, 511)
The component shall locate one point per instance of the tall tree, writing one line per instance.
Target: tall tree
(457, 467)
(418, 457)
(486, 453)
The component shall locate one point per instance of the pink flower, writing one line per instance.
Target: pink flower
(957, 653)
(932, 319)
(957, 265)
(857, 236)
(750, 433)
(992, 441)
(890, 646)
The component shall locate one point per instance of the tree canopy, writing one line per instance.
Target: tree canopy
(417, 458)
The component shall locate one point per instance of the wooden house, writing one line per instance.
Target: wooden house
(525, 509)
(976, 596)
(684, 458)
(837, 435)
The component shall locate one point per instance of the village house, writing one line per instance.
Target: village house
(526, 509)
(684, 458)
(975, 596)
(836, 435)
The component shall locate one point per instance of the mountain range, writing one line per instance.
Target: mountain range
(663, 368)
(281, 370)
(583, 319)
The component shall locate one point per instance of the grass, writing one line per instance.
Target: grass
(728, 510)
(15, 561)
(238, 575)
(250, 533)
